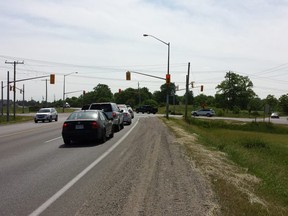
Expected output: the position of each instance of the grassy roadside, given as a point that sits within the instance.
(246, 163)
(18, 119)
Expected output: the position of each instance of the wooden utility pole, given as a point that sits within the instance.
(187, 90)
(14, 87)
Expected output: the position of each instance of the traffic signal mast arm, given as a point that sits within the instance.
(201, 86)
(29, 78)
(74, 92)
(192, 86)
(146, 75)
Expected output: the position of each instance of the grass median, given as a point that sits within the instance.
(247, 163)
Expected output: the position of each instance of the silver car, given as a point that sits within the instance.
(44, 114)
(121, 106)
(127, 118)
(203, 112)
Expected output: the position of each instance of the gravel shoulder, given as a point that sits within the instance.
(153, 176)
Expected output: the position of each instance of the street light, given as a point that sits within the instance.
(64, 88)
(168, 70)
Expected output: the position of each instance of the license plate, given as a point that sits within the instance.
(77, 127)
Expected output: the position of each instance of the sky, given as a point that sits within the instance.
(101, 40)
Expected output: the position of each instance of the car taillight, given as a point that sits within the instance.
(94, 125)
(65, 125)
(114, 114)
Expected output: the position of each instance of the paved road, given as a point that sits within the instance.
(141, 171)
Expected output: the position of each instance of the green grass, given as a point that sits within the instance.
(18, 119)
(261, 148)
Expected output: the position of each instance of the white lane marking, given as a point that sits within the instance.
(52, 139)
(52, 199)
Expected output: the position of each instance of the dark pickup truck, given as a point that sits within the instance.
(147, 109)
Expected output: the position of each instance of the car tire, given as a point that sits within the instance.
(118, 127)
(112, 133)
(103, 138)
(35, 121)
(66, 141)
(56, 119)
(50, 119)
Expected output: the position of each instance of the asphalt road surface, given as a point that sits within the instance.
(141, 171)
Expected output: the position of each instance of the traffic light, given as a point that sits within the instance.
(192, 84)
(84, 92)
(128, 75)
(167, 79)
(52, 78)
(201, 88)
(119, 90)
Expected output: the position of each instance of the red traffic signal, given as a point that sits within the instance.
(167, 79)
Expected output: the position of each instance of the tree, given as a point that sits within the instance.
(236, 90)
(204, 101)
(255, 104)
(283, 103)
(272, 102)
(101, 93)
(128, 96)
(190, 98)
(161, 96)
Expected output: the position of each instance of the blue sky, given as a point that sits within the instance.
(101, 40)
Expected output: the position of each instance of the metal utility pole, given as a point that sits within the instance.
(8, 98)
(23, 92)
(2, 104)
(187, 89)
(14, 88)
(168, 71)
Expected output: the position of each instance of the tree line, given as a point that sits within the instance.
(234, 93)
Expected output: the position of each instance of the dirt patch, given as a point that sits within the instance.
(215, 166)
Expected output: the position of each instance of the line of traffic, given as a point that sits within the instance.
(52, 199)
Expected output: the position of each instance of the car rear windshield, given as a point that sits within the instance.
(105, 107)
(44, 111)
(83, 115)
